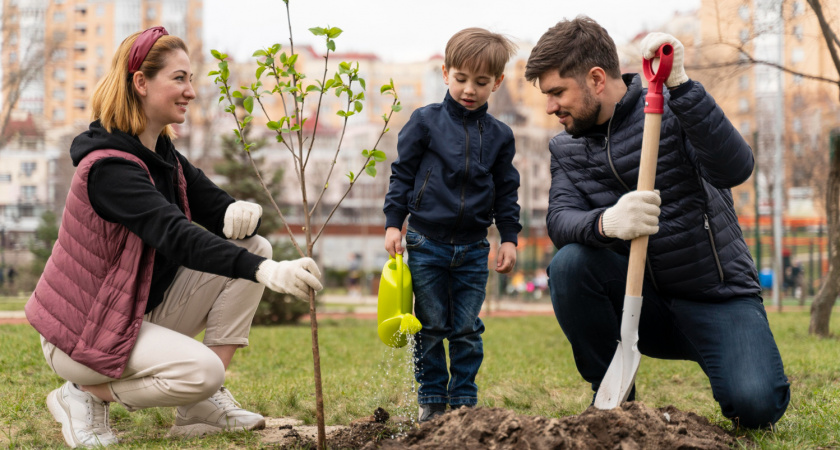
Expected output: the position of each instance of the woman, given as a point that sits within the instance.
(131, 280)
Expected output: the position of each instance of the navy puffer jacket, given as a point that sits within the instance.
(699, 252)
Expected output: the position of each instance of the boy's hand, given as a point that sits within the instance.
(506, 258)
(393, 241)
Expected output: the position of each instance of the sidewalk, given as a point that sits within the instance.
(364, 307)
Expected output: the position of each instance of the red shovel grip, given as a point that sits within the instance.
(654, 101)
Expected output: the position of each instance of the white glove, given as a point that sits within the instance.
(652, 42)
(635, 214)
(241, 219)
(293, 277)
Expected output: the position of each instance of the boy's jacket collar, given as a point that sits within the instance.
(459, 111)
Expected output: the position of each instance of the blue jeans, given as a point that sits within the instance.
(731, 340)
(449, 284)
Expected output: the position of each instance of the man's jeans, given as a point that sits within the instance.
(449, 285)
(731, 340)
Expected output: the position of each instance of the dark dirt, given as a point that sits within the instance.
(630, 427)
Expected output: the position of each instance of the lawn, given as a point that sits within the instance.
(528, 368)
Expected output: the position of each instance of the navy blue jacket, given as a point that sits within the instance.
(699, 252)
(454, 175)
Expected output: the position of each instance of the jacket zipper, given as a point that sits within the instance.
(422, 189)
(617, 177)
(464, 183)
(480, 133)
(714, 248)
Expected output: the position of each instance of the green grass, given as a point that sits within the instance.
(528, 367)
(12, 303)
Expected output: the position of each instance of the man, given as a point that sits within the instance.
(701, 294)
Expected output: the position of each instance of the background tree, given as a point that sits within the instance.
(41, 246)
(749, 57)
(283, 80)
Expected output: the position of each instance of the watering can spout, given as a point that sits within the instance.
(395, 304)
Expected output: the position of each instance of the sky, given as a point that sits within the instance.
(411, 30)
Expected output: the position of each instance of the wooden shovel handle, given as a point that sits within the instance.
(647, 175)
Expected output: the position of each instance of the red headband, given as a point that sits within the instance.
(141, 46)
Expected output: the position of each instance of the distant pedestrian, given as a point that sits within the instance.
(11, 276)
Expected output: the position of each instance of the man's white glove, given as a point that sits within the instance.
(293, 277)
(652, 42)
(241, 219)
(635, 214)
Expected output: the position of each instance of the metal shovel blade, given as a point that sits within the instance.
(621, 374)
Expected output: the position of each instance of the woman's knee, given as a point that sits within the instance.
(258, 245)
(203, 376)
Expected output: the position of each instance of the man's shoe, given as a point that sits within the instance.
(431, 410)
(83, 417)
(219, 413)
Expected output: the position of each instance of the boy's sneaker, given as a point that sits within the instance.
(219, 413)
(83, 417)
(431, 410)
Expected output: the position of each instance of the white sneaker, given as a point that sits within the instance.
(83, 417)
(221, 412)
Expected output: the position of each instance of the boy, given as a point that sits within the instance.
(453, 176)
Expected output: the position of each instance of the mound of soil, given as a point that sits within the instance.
(632, 426)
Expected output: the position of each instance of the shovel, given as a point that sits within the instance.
(621, 374)
(394, 304)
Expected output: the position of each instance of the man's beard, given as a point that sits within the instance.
(588, 117)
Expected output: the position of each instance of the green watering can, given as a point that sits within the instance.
(395, 303)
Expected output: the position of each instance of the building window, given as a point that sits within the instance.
(797, 55)
(797, 31)
(798, 8)
(100, 10)
(58, 115)
(12, 57)
(151, 13)
(60, 54)
(744, 82)
(58, 94)
(745, 128)
(744, 13)
(79, 104)
(59, 16)
(743, 105)
(100, 51)
(5, 178)
(59, 75)
(27, 167)
(744, 35)
(99, 30)
(797, 79)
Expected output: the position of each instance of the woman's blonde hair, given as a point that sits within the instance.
(115, 103)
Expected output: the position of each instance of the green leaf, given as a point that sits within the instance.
(341, 113)
(248, 103)
(279, 138)
(370, 170)
(331, 45)
(260, 71)
(213, 72)
(385, 87)
(351, 176)
(334, 32)
(247, 118)
(344, 65)
(318, 31)
(358, 106)
(378, 155)
(216, 54)
(362, 83)
(236, 94)
(312, 87)
(396, 108)
(274, 49)
(365, 153)
(292, 59)
(295, 127)
(259, 53)
(272, 125)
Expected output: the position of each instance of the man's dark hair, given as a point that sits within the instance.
(572, 48)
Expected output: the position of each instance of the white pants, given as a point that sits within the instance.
(167, 366)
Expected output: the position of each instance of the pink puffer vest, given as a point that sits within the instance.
(92, 295)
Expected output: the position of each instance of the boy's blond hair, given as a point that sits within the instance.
(479, 51)
(115, 103)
